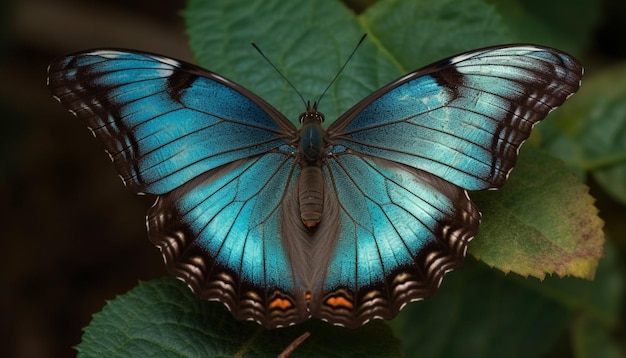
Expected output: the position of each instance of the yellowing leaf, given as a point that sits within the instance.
(541, 222)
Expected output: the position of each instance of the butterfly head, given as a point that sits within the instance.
(311, 115)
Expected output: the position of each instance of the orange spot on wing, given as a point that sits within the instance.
(280, 303)
(339, 301)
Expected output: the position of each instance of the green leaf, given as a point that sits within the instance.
(594, 339)
(479, 312)
(599, 300)
(565, 24)
(162, 318)
(590, 131)
(596, 306)
(542, 221)
(416, 33)
(309, 41)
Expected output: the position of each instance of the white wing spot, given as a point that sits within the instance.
(167, 60)
(462, 57)
(107, 54)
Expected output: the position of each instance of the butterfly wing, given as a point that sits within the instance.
(221, 233)
(400, 163)
(162, 121)
(218, 156)
(401, 229)
(462, 118)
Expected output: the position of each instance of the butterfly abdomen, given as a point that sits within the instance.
(311, 195)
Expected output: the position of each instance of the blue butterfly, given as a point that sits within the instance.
(345, 224)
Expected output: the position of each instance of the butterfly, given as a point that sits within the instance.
(346, 223)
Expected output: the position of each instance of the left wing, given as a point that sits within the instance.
(163, 121)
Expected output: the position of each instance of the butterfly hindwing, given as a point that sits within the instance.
(163, 121)
(463, 118)
(221, 233)
(401, 229)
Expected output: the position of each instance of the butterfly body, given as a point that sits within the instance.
(345, 224)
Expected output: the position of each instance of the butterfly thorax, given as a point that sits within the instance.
(311, 135)
(311, 181)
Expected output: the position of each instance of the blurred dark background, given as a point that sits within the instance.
(71, 235)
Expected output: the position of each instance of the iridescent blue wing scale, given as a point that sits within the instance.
(462, 118)
(163, 121)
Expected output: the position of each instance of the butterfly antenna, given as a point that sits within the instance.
(341, 69)
(280, 73)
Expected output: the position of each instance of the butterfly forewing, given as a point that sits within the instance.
(463, 118)
(163, 121)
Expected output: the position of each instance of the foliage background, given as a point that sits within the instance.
(73, 237)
